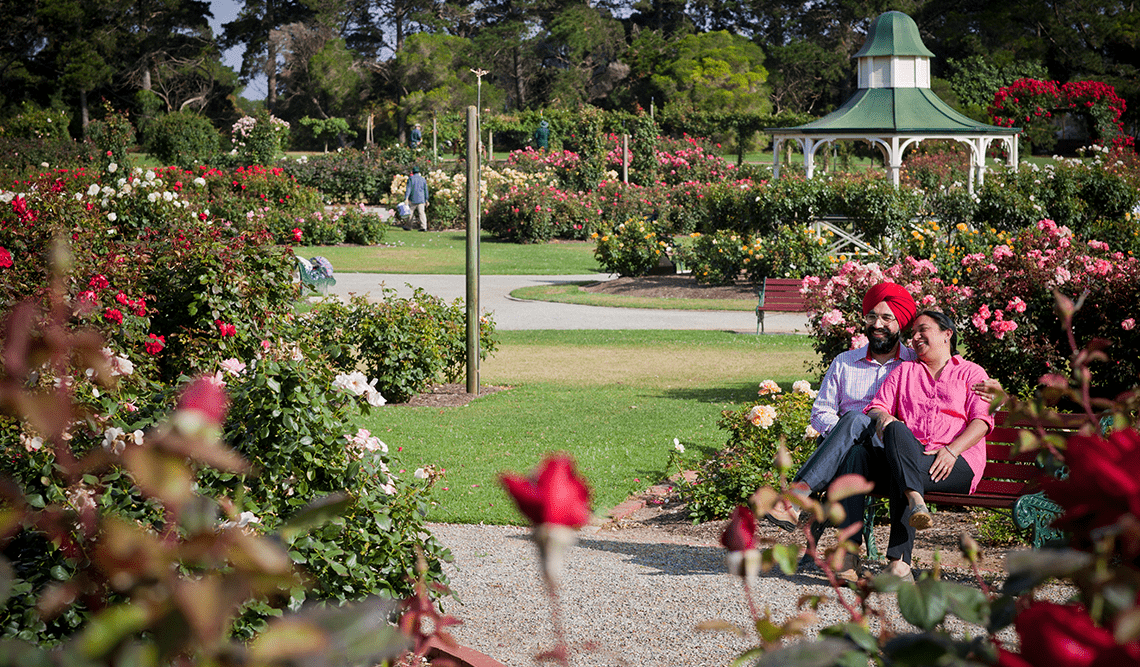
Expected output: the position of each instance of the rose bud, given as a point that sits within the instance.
(557, 502)
(739, 538)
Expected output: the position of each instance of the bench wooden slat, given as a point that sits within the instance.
(1007, 478)
(779, 295)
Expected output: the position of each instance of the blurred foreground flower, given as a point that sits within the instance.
(557, 502)
(739, 539)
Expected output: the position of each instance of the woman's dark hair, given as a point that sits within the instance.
(944, 323)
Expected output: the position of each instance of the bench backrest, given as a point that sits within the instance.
(781, 294)
(1006, 474)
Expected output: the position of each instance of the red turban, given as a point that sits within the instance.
(898, 299)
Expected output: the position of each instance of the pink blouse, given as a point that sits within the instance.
(937, 411)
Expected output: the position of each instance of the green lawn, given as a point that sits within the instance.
(446, 253)
(615, 400)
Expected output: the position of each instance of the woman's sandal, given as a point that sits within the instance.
(919, 517)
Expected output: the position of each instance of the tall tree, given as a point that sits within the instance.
(79, 45)
(716, 71)
(582, 53)
(433, 72)
(253, 29)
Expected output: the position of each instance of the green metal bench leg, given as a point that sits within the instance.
(1036, 513)
(870, 511)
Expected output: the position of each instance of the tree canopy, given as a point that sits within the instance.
(350, 58)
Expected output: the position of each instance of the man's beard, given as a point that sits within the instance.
(881, 345)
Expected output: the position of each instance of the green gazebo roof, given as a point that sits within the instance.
(894, 110)
(893, 34)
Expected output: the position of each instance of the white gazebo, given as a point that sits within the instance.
(895, 108)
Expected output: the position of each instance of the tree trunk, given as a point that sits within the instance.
(517, 67)
(271, 76)
(146, 79)
(84, 115)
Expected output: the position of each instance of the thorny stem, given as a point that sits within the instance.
(560, 652)
(856, 615)
(751, 605)
(980, 579)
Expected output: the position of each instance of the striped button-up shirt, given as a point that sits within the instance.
(850, 384)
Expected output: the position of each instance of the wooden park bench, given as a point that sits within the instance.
(1009, 483)
(780, 295)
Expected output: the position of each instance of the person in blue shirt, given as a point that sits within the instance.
(415, 137)
(417, 197)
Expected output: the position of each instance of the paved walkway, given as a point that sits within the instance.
(516, 314)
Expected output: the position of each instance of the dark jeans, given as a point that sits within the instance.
(870, 462)
(910, 470)
(853, 428)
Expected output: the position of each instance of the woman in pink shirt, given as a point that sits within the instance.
(933, 424)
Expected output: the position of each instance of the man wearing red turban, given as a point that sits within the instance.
(848, 387)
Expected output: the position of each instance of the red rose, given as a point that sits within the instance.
(1055, 634)
(226, 329)
(99, 281)
(207, 397)
(155, 344)
(556, 495)
(297, 234)
(1103, 483)
(5, 258)
(740, 533)
(114, 314)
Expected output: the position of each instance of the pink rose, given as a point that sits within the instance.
(555, 495)
(1128, 324)
(206, 396)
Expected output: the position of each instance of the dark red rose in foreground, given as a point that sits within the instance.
(1103, 483)
(554, 495)
(1054, 634)
(740, 534)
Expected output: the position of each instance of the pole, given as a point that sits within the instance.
(625, 158)
(473, 206)
(434, 139)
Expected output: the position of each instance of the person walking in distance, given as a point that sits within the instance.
(417, 197)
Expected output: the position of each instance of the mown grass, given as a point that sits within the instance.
(572, 293)
(446, 253)
(615, 400)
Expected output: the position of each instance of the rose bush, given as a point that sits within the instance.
(182, 295)
(631, 248)
(755, 432)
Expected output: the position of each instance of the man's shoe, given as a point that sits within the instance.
(852, 569)
(784, 515)
(895, 568)
(920, 518)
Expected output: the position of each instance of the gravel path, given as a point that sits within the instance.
(628, 598)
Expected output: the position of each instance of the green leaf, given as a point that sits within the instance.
(968, 604)
(923, 604)
(1002, 612)
(822, 653)
(786, 557)
(316, 514)
(109, 627)
(273, 384)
